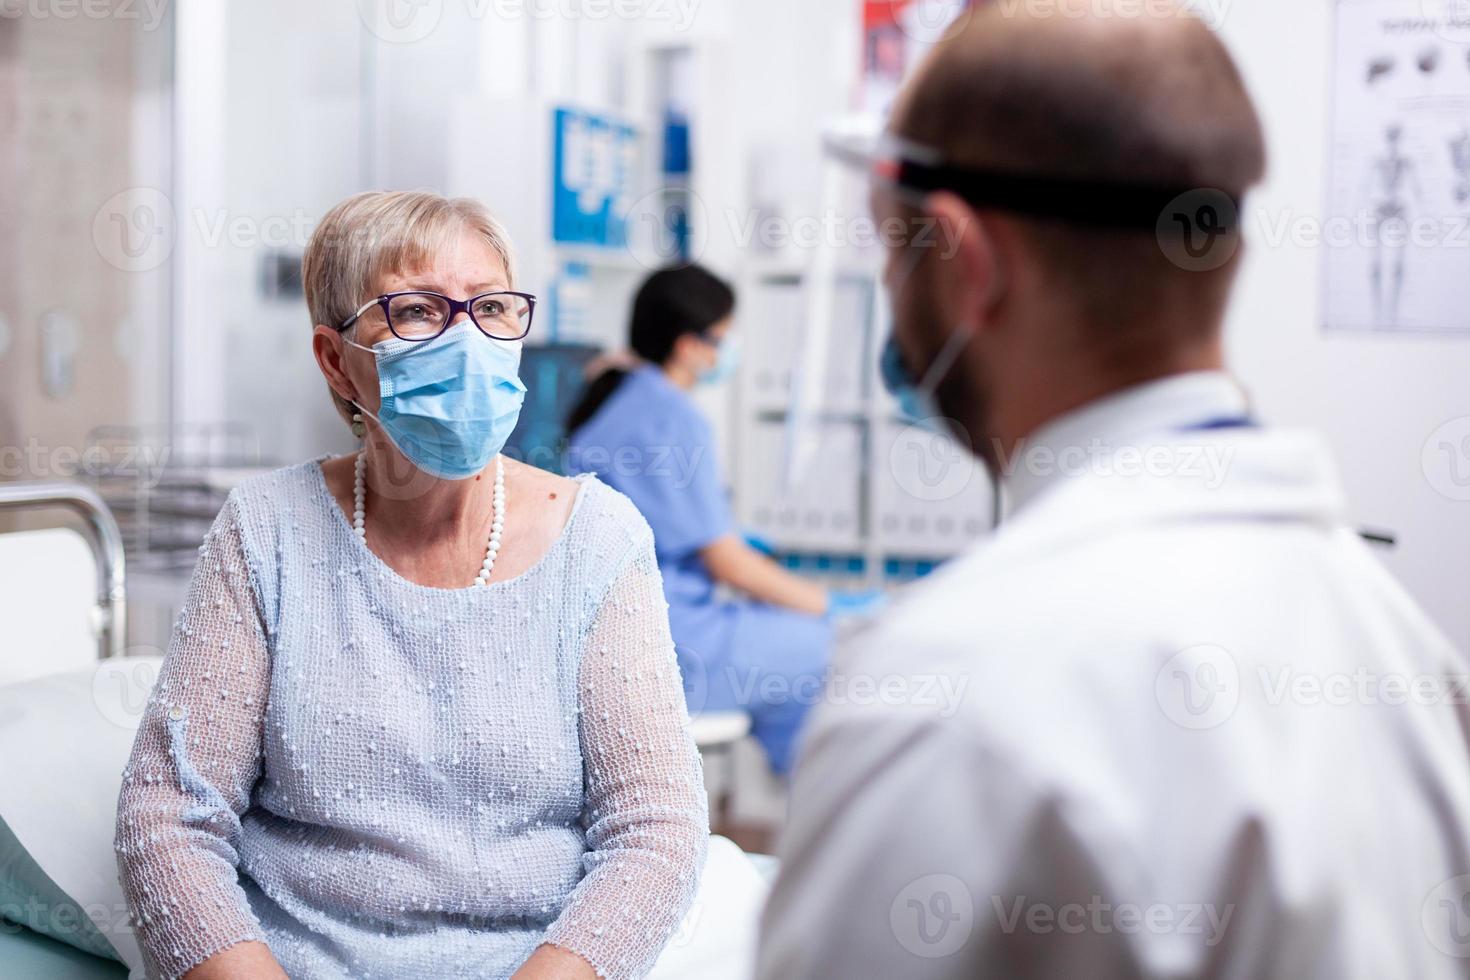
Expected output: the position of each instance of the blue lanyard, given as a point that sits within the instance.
(1227, 422)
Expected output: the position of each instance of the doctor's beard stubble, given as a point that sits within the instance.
(963, 400)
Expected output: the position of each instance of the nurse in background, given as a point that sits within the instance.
(640, 431)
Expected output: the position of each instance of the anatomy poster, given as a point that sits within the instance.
(1397, 239)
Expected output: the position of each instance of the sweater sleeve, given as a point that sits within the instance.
(195, 760)
(646, 810)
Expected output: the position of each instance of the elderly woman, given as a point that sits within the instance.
(420, 716)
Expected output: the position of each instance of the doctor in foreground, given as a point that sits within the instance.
(1137, 782)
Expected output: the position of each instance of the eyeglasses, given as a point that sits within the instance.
(420, 316)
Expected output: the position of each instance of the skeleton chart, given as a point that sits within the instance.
(1397, 237)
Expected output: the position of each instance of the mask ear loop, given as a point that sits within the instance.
(939, 368)
(359, 428)
(954, 344)
(959, 339)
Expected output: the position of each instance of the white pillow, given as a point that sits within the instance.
(65, 738)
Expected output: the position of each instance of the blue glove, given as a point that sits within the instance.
(759, 543)
(855, 605)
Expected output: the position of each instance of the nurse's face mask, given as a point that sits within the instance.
(450, 390)
(727, 360)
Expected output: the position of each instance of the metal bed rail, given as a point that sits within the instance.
(107, 549)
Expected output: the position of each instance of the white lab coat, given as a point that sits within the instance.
(1181, 735)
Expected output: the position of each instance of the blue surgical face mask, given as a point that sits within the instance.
(449, 404)
(915, 405)
(916, 396)
(726, 363)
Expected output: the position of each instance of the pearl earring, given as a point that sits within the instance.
(359, 428)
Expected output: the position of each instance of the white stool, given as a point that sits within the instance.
(715, 734)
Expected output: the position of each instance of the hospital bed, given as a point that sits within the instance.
(70, 699)
(63, 600)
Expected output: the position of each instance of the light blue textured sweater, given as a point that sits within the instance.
(381, 779)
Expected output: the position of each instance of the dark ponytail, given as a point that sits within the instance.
(598, 391)
(671, 303)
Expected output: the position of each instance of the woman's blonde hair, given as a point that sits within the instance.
(376, 233)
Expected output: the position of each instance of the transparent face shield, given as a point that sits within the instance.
(855, 468)
(839, 471)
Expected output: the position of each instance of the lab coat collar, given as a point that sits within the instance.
(1138, 458)
(1125, 418)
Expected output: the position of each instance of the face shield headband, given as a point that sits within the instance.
(914, 171)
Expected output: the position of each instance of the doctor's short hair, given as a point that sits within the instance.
(1151, 99)
(377, 233)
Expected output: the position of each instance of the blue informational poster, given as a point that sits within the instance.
(596, 162)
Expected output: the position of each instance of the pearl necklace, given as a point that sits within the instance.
(497, 525)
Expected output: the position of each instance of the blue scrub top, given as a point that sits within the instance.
(650, 441)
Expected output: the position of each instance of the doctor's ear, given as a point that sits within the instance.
(969, 275)
(330, 353)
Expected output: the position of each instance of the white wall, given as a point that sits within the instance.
(769, 72)
(269, 135)
(1377, 399)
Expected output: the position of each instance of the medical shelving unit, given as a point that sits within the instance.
(880, 500)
